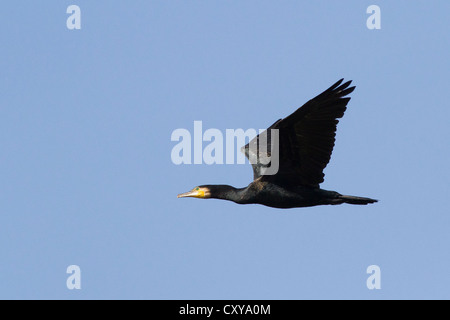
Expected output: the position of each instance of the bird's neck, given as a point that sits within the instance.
(226, 192)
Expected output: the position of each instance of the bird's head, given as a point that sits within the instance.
(202, 192)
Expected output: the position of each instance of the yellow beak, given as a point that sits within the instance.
(195, 193)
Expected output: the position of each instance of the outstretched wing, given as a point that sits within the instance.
(306, 139)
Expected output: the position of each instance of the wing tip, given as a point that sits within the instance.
(334, 86)
(341, 89)
(339, 86)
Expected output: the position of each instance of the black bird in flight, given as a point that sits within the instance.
(305, 143)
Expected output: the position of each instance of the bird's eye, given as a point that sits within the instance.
(196, 189)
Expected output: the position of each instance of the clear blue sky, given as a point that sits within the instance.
(86, 176)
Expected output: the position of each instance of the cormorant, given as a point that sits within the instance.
(306, 141)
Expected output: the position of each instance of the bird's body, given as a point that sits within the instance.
(272, 195)
(306, 141)
(283, 197)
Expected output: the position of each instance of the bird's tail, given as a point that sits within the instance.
(356, 200)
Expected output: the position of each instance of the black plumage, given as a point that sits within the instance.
(306, 141)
